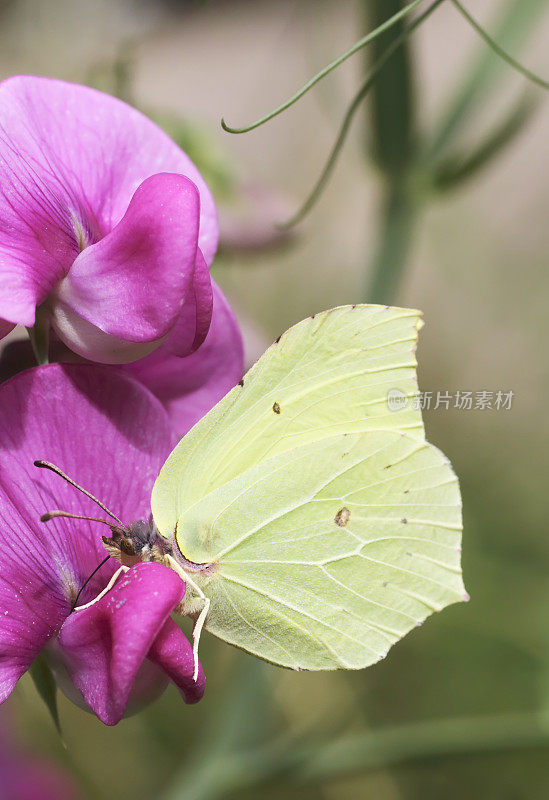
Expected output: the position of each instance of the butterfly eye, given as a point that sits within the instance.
(127, 546)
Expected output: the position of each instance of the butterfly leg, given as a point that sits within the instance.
(107, 589)
(199, 624)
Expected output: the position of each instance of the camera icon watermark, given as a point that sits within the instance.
(397, 400)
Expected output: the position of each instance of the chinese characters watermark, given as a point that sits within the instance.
(484, 400)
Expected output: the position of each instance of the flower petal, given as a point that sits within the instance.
(173, 653)
(110, 435)
(91, 343)
(132, 283)
(191, 386)
(193, 322)
(71, 158)
(104, 645)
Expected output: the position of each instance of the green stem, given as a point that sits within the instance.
(39, 335)
(393, 134)
(397, 227)
(392, 110)
(371, 36)
(355, 104)
(512, 62)
(516, 18)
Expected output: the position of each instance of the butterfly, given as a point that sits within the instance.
(313, 524)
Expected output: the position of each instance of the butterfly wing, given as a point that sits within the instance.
(327, 375)
(327, 554)
(332, 526)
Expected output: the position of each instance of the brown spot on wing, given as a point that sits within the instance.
(276, 408)
(342, 517)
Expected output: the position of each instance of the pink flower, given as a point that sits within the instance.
(187, 387)
(108, 229)
(106, 226)
(112, 436)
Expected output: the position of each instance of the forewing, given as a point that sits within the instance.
(328, 375)
(326, 555)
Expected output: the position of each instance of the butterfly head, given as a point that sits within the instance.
(138, 541)
(129, 544)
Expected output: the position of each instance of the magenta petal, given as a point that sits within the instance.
(104, 646)
(189, 387)
(71, 159)
(203, 303)
(131, 283)
(108, 433)
(172, 652)
(193, 322)
(90, 342)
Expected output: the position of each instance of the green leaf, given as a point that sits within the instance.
(458, 167)
(46, 687)
(498, 50)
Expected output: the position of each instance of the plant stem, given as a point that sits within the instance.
(384, 23)
(393, 247)
(39, 336)
(393, 135)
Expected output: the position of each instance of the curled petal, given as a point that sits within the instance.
(172, 652)
(104, 646)
(189, 387)
(132, 283)
(109, 434)
(71, 159)
(193, 323)
(91, 343)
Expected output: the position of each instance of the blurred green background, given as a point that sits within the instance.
(461, 706)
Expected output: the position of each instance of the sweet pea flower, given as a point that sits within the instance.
(187, 387)
(107, 229)
(111, 435)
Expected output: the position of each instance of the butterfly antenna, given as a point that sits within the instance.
(53, 468)
(88, 579)
(53, 514)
